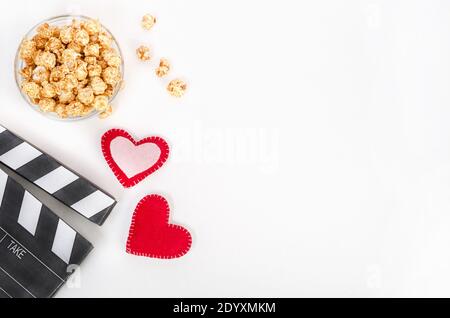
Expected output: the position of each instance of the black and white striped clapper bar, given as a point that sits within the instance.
(38, 251)
(47, 173)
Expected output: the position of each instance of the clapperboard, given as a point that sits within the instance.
(38, 250)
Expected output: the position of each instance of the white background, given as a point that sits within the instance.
(311, 155)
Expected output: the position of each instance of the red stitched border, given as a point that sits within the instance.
(131, 232)
(110, 135)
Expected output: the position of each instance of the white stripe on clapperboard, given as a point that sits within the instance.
(2, 129)
(29, 215)
(57, 179)
(3, 180)
(20, 155)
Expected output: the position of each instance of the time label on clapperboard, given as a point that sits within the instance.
(38, 250)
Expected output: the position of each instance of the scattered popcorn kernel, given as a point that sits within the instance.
(163, 68)
(143, 53)
(177, 88)
(148, 21)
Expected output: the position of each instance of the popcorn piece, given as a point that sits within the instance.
(40, 74)
(47, 104)
(92, 50)
(81, 37)
(40, 41)
(101, 103)
(95, 70)
(53, 45)
(93, 27)
(177, 88)
(27, 50)
(66, 96)
(60, 110)
(104, 40)
(44, 31)
(27, 72)
(106, 113)
(111, 75)
(86, 95)
(148, 21)
(48, 90)
(82, 71)
(87, 110)
(111, 57)
(143, 53)
(46, 59)
(163, 68)
(31, 89)
(74, 109)
(98, 85)
(66, 34)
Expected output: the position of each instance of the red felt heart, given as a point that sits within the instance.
(133, 161)
(151, 235)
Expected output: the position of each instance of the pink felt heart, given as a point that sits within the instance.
(132, 161)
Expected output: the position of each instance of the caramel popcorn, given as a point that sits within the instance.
(71, 70)
(148, 21)
(48, 90)
(86, 95)
(111, 75)
(98, 85)
(32, 89)
(101, 103)
(106, 113)
(163, 68)
(143, 53)
(47, 104)
(177, 88)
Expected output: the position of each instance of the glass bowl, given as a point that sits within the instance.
(61, 21)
